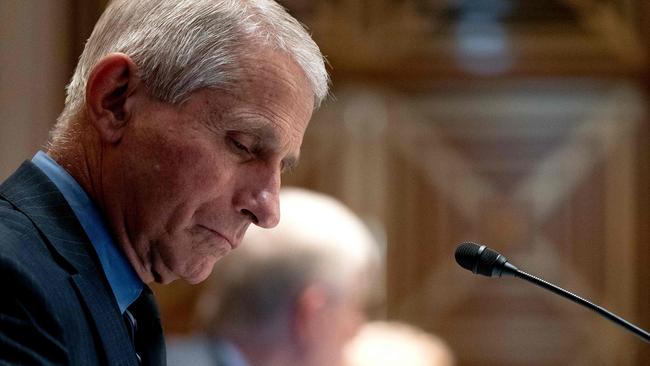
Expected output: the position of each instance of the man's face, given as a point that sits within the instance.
(195, 175)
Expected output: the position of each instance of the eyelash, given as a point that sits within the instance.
(239, 145)
(242, 149)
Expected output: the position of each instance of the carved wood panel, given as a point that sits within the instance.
(428, 39)
(544, 172)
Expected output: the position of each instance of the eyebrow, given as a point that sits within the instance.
(289, 164)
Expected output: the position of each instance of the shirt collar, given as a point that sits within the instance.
(124, 282)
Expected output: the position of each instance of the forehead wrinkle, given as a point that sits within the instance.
(291, 74)
(267, 110)
(271, 125)
(256, 126)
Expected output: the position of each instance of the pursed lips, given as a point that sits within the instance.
(218, 234)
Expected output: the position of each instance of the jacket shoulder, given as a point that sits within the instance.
(28, 331)
(36, 326)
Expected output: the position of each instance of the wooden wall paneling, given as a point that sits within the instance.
(33, 69)
(569, 181)
(643, 231)
(642, 11)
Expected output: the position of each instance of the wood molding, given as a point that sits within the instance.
(435, 39)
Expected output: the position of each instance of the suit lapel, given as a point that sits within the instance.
(113, 335)
(31, 192)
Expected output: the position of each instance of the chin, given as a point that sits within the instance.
(199, 272)
(196, 279)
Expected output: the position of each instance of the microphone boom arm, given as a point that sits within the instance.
(482, 260)
(579, 300)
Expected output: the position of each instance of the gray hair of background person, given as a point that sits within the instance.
(389, 343)
(181, 46)
(318, 241)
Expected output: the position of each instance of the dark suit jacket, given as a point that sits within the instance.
(56, 306)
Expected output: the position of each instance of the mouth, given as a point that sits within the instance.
(220, 236)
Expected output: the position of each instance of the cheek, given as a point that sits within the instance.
(182, 170)
(167, 179)
(181, 165)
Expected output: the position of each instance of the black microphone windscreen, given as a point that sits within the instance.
(483, 260)
(467, 255)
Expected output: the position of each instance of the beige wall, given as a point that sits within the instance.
(34, 49)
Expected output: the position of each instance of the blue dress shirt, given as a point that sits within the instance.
(124, 282)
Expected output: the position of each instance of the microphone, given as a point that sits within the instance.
(482, 260)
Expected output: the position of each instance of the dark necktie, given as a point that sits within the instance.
(132, 327)
(143, 323)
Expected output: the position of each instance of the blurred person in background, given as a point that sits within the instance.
(179, 119)
(290, 296)
(390, 343)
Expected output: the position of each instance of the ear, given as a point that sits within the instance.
(310, 305)
(110, 84)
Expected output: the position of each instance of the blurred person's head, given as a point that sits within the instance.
(179, 119)
(382, 343)
(295, 294)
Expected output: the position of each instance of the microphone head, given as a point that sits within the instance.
(466, 255)
(482, 260)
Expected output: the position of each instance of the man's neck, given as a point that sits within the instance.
(85, 162)
(80, 162)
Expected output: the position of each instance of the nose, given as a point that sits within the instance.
(261, 201)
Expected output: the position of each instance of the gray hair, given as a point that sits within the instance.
(318, 241)
(180, 46)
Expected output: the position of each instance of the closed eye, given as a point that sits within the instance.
(238, 145)
(238, 148)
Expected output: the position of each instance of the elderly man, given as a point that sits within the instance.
(178, 122)
(291, 296)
